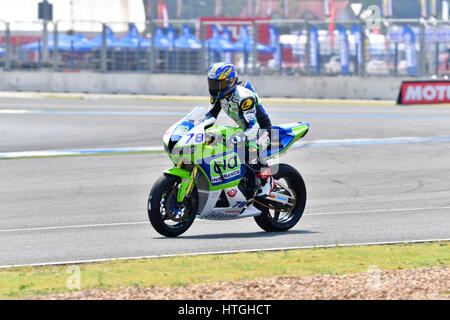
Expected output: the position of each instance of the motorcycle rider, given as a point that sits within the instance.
(241, 103)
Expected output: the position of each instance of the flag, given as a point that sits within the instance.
(423, 9)
(249, 8)
(148, 9)
(445, 10)
(258, 8)
(159, 11)
(390, 10)
(269, 9)
(331, 27)
(327, 7)
(286, 8)
(218, 12)
(179, 9)
(357, 35)
(410, 50)
(433, 8)
(165, 15)
(387, 8)
(314, 50)
(275, 43)
(343, 50)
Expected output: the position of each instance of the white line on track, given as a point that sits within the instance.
(51, 153)
(105, 225)
(380, 211)
(99, 225)
(222, 252)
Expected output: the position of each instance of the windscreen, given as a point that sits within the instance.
(195, 115)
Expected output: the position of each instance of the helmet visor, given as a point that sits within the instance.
(215, 86)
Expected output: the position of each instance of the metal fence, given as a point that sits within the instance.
(287, 47)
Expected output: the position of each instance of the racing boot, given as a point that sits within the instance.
(267, 183)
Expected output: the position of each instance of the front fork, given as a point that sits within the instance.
(188, 179)
(194, 176)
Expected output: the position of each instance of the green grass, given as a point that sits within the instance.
(186, 270)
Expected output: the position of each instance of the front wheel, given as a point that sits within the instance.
(167, 216)
(276, 217)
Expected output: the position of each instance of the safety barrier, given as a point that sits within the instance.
(177, 84)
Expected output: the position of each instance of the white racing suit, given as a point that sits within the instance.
(243, 107)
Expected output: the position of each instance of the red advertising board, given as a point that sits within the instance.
(20, 40)
(235, 25)
(424, 92)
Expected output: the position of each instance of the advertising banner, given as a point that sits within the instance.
(275, 43)
(343, 50)
(424, 92)
(410, 50)
(314, 51)
(357, 35)
(234, 26)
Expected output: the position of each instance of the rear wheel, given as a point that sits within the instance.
(167, 216)
(281, 217)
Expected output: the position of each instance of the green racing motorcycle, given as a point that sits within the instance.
(212, 181)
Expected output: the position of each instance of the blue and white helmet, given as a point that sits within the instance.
(222, 79)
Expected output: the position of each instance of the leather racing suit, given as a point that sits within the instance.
(243, 106)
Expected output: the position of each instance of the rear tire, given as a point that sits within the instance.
(162, 206)
(269, 220)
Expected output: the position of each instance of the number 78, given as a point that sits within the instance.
(198, 137)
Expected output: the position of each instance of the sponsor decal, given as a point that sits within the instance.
(221, 215)
(424, 92)
(232, 192)
(247, 104)
(181, 130)
(229, 166)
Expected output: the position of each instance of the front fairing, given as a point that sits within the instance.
(186, 141)
(178, 130)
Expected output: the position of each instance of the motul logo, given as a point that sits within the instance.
(425, 92)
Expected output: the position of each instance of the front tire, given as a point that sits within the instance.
(168, 217)
(279, 220)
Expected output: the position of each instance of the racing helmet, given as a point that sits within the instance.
(222, 79)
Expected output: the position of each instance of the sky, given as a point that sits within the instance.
(98, 10)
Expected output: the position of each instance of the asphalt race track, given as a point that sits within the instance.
(374, 173)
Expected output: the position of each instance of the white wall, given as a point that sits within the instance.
(169, 84)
